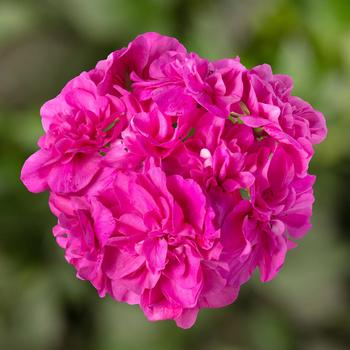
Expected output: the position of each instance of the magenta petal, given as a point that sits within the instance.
(155, 250)
(118, 264)
(216, 291)
(281, 170)
(187, 318)
(273, 257)
(82, 99)
(35, 172)
(184, 279)
(104, 224)
(122, 293)
(255, 122)
(75, 175)
(190, 197)
(156, 307)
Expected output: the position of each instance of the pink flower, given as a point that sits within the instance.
(79, 125)
(147, 239)
(269, 96)
(142, 59)
(173, 178)
(154, 132)
(215, 86)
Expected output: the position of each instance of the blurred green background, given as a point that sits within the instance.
(45, 43)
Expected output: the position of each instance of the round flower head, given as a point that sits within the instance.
(174, 178)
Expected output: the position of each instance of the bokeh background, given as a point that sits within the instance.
(45, 43)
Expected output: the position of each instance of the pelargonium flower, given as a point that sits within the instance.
(148, 239)
(173, 178)
(79, 124)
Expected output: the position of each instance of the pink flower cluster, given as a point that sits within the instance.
(174, 178)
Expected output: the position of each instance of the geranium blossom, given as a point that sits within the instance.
(173, 178)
